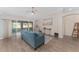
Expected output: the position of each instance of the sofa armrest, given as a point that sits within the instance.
(39, 39)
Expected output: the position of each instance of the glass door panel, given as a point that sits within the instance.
(30, 26)
(16, 27)
(25, 26)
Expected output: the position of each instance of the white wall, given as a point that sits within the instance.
(5, 29)
(1, 29)
(60, 26)
(69, 22)
(9, 28)
(57, 24)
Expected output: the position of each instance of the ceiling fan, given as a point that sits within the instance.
(33, 11)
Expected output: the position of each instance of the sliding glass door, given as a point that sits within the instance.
(27, 26)
(17, 26)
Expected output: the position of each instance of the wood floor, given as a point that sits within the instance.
(66, 44)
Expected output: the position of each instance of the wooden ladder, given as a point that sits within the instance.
(75, 33)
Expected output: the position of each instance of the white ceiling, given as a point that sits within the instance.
(24, 11)
(70, 9)
(27, 11)
(16, 11)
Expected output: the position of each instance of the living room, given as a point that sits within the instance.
(52, 23)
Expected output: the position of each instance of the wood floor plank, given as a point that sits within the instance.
(67, 44)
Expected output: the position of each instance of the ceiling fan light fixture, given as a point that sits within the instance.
(32, 13)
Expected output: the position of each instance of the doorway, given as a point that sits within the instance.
(69, 21)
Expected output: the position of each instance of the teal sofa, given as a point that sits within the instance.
(34, 39)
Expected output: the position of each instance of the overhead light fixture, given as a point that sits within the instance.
(32, 10)
(32, 13)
